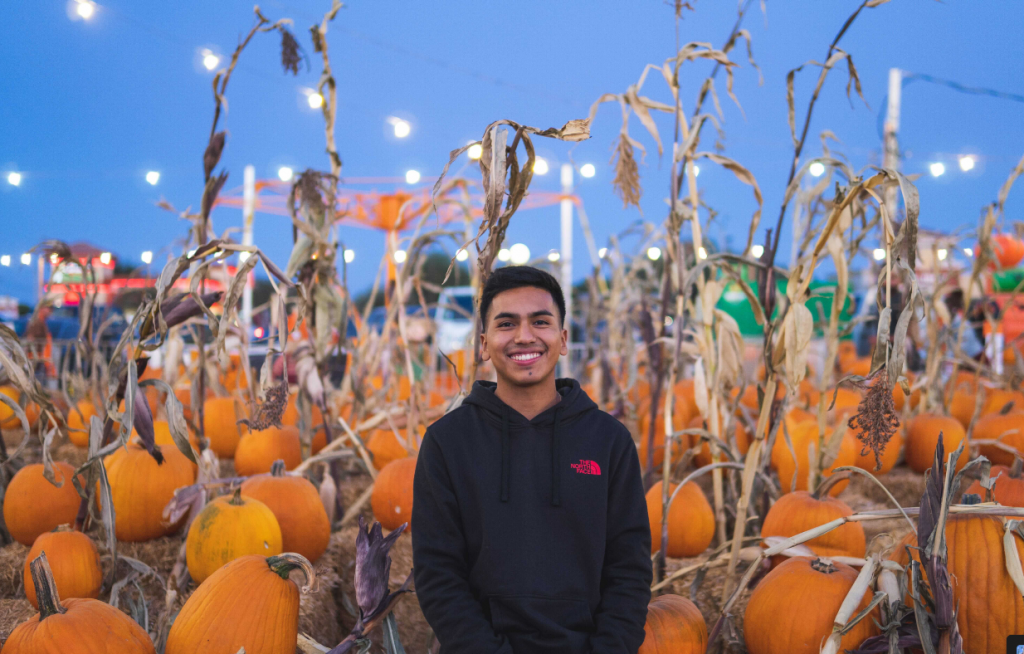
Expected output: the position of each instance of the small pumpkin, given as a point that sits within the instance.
(74, 563)
(674, 626)
(227, 528)
(141, 488)
(963, 398)
(691, 520)
(1009, 250)
(793, 609)
(1007, 428)
(795, 513)
(847, 403)
(78, 423)
(220, 425)
(997, 399)
(249, 603)
(922, 433)
(290, 417)
(74, 625)
(258, 450)
(384, 447)
(802, 436)
(34, 506)
(9, 419)
(392, 493)
(295, 502)
(1009, 485)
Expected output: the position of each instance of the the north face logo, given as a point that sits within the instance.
(585, 467)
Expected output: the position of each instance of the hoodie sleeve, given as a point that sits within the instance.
(439, 562)
(626, 575)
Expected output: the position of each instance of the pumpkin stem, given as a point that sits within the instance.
(46, 588)
(283, 564)
(1018, 465)
(830, 481)
(277, 468)
(236, 499)
(824, 565)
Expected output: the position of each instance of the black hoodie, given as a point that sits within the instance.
(531, 536)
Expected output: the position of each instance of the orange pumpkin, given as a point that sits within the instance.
(990, 606)
(74, 560)
(963, 398)
(772, 623)
(674, 626)
(228, 528)
(703, 457)
(1009, 250)
(384, 447)
(1007, 428)
(847, 404)
(220, 425)
(866, 456)
(691, 520)
(74, 625)
(290, 417)
(997, 399)
(1009, 486)
(8, 419)
(795, 513)
(78, 423)
(34, 506)
(248, 603)
(802, 437)
(320, 435)
(856, 366)
(922, 433)
(899, 398)
(295, 502)
(258, 450)
(392, 493)
(141, 488)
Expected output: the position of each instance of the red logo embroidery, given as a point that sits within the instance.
(585, 467)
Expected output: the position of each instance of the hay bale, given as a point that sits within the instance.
(12, 613)
(12, 567)
(71, 454)
(318, 609)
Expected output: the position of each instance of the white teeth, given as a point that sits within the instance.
(525, 357)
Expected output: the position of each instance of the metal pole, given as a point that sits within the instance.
(248, 209)
(891, 157)
(566, 261)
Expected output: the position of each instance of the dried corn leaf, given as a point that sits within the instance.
(799, 327)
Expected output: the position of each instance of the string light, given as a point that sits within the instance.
(147, 257)
(412, 176)
(757, 250)
(26, 259)
(554, 256)
(461, 255)
(602, 253)
(315, 100)
(702, 253)
(475, 151)
(588, 170)
(210, 60)
(400, 256)
(519, 254)
(152, 177)
(966, 163)
(504, 254)
(350, 256)
(540, 166)
(653, 253)
(879, 254)
(937, 169)
(5, 260)
(942, 253)
(14, 179)
(816, 169)
(285, 174)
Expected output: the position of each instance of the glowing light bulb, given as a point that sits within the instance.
(816, 169)
(258, 332)
(105, 258)
(285, 174)
(54, 259)
(588, 170)
(475, 151)
(14, 179)
(412, 176)
(315, 100)
(350, 256)
(26, 259)
(937, 169)
(757, 251)
(879, 254)
(504, 254)
(942, 253)
(653, 253)
(147, 257)
(152, 177)
(519, 254)
(702, 253)
(696, 170)
(210, 60)
(554, 256)
(461, 255)
(401, 128)
(966, 163)
(400, 256)
(969, 252)
(85, 9)
(540, 166)
(602, 253)
(5, 260)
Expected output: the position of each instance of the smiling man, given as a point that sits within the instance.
(530, 529)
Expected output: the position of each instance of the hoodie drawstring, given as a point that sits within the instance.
(505, 456)
(556, 486)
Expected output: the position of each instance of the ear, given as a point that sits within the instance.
(565, 342)
(484, 354)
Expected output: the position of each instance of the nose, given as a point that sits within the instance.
(523, 333)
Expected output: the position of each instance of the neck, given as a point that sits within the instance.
(530, 401)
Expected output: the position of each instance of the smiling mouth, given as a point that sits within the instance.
(525, 357)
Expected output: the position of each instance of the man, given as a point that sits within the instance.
(530, 529)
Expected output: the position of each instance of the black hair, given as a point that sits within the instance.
(512, 277)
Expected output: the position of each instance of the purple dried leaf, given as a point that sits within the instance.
(143, 424)
(182, 307)
(187, 501)
(213, 151)
(373, 566)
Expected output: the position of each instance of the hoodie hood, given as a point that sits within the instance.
(573, 404)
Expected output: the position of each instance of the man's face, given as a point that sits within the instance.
(522, 337)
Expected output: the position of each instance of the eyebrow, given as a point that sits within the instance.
(507, 314)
